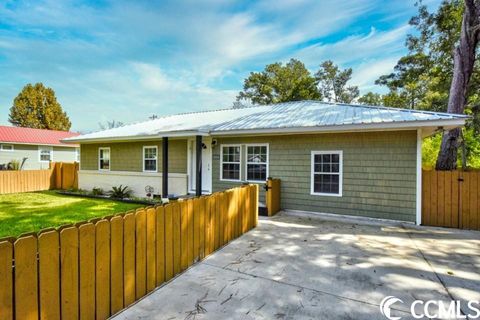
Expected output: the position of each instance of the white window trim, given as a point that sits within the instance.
(7, 150)
(156, 158)
(40, 148)
(110, 159)
(247, 163)
(77, 154)
(340, 173)
(222, 162)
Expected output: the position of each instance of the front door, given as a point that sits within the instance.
(206, 165)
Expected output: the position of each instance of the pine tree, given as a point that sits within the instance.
(37, 107)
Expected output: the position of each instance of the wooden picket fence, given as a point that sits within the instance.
(94, 269)
(61, 175)
(451, 199)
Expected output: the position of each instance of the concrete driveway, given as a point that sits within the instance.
(307, 267)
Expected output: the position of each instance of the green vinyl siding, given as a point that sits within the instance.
(379, 172)
(128, 156)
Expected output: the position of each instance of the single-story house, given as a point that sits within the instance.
(330, 158)
(36, 148)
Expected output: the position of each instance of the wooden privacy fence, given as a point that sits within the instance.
(273, 196)
(65, 175)
(94, 269)
(451, 199)
(61, 175)
(24, 181)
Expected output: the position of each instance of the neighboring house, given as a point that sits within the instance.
(37, 146)
(331, 158)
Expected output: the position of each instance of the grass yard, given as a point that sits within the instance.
(33, 211)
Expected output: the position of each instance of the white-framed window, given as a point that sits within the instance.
(77, 154)
(104, 159)
(150, 156)
(230, 157)
(327, 172)
(256, 166)
(45, 153)
(6, 147)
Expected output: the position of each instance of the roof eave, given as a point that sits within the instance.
(160, 135)
(70, 145)
(445, 124)
(405, 125)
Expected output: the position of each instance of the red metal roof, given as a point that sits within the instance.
(34, 136)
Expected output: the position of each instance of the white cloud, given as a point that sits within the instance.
(366, 73)
(369, 55)
(357, 48)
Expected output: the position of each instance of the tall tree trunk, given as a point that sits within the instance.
(464, 59)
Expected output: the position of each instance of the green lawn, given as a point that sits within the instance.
(33, 211)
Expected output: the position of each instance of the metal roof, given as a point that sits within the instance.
(21, 135)
(291, 116)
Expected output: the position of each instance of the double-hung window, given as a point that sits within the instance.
(257, 162)
(327, 173)
(230, 158)
(45, 153)
(150, 159)
(104, 159)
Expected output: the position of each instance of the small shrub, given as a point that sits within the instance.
(120, 192)
(98, 191)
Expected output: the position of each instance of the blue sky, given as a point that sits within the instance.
(126, 60)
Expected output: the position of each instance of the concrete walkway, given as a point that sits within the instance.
(304, 267)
